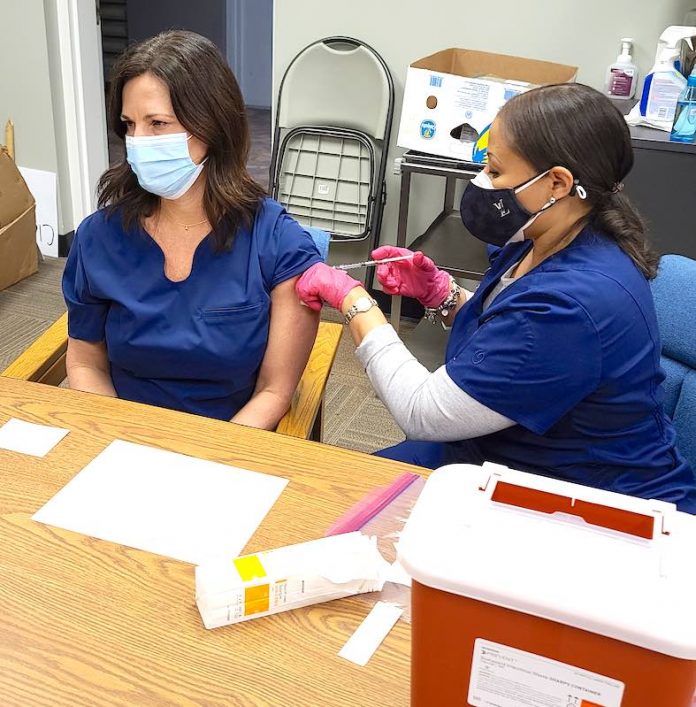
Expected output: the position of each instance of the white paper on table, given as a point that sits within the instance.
(164, 502)
(371, 632)
(43, 188)
(30, 438)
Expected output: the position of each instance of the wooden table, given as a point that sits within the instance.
(88, 622)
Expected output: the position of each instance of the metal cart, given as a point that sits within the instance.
(446, 240)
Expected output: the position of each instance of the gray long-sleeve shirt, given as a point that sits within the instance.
(427, 406)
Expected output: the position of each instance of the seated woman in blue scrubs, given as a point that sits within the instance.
(180, 288)
(552, 364)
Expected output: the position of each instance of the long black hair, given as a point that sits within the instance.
(208, 103)
(576, 127)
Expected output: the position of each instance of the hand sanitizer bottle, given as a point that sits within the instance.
(622, 75)
(684, 126)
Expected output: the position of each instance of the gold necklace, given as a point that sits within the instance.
(186, 226)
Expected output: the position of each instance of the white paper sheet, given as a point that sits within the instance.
(30, 438)
(368, 637)
(167, 503)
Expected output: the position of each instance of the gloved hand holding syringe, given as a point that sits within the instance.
(400, 272)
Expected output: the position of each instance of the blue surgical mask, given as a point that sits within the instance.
(162, 163)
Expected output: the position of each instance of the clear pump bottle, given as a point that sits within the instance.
(622, 75)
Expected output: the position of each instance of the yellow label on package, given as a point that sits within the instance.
(229, 591)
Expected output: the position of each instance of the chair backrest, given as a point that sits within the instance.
(674, 291)
(340, 82)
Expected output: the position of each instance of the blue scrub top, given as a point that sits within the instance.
(194, 345)
(571, 352)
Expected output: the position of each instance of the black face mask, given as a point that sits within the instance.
(496, 216)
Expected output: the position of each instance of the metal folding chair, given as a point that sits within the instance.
(331, 137)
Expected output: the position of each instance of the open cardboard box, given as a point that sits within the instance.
(452, 97)
(18, 251)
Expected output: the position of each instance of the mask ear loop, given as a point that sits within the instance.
(203, 161)
(529, 182)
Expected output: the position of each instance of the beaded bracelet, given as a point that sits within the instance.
(449, 304)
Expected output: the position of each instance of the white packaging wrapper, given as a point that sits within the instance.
(635, 118)
(230, 590)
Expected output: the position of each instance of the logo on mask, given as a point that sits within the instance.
(502, 211)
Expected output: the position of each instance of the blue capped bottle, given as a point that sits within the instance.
(684, 126)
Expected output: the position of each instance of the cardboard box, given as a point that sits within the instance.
(452, 97)
(18, 251)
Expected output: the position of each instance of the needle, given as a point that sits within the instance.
(353, 266)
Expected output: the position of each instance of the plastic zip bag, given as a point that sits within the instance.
(382, 513)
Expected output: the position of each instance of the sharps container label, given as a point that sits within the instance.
(506, 677)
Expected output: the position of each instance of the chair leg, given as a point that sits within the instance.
(318, 427)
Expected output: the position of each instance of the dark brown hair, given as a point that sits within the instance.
(208, 103)
(576, 127)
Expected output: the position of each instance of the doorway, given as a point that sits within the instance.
(241, 29)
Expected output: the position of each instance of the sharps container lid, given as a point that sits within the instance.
(612, 564)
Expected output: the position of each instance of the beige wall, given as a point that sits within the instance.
(25, 89)
(585, 34)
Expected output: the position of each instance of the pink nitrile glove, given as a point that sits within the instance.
(419, 277)
(322, 283)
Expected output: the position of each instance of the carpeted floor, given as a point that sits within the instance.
(260, 147)
(354, 417)
(29, 307)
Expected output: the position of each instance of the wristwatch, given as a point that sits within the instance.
(362, 304)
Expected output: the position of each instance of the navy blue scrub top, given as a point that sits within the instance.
(571, 352)
(194, 345)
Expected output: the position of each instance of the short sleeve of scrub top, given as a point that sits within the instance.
(87, 312)
(196, 344)
(289, 253)
(533, 358)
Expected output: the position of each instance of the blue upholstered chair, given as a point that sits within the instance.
(321, 240)
(674, 290)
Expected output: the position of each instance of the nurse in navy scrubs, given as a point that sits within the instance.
(552, 364)
(180, 288)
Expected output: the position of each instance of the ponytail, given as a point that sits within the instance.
(615, 215)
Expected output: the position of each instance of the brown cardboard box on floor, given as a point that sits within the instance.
(18, 252)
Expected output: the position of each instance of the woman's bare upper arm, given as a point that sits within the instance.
(293, 329)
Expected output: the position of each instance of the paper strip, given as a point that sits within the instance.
(29, 438)
(371, 632)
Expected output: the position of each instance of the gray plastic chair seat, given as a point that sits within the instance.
(325, 179)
